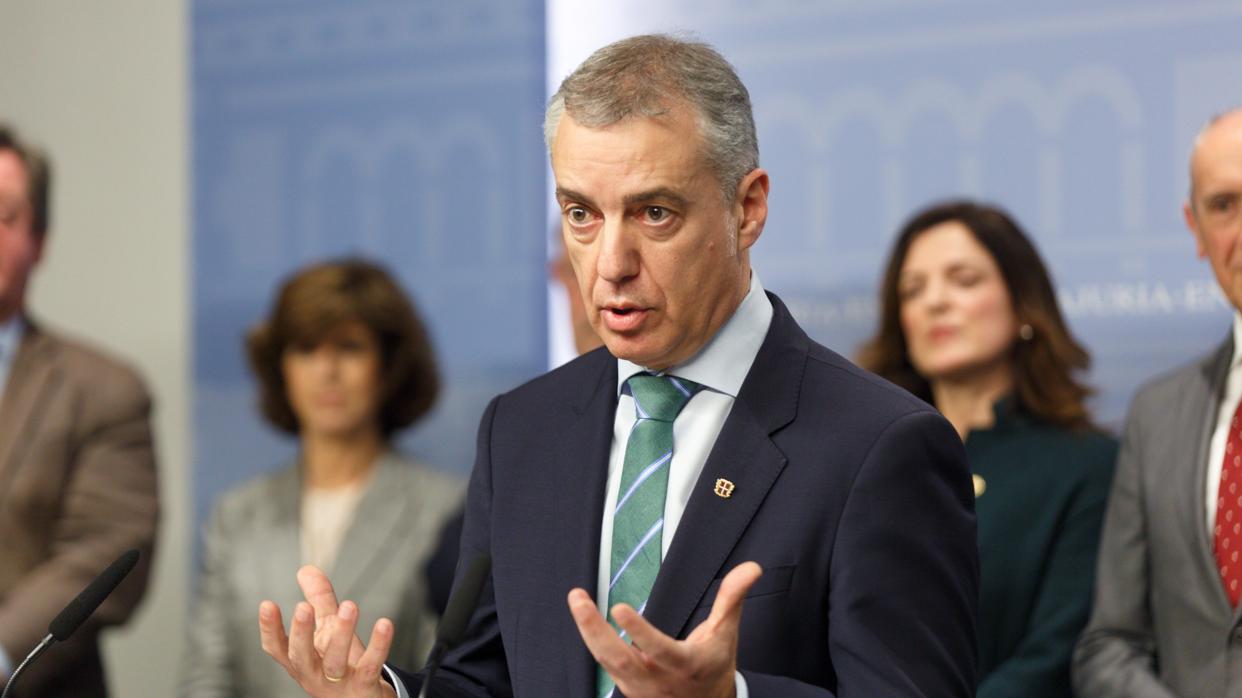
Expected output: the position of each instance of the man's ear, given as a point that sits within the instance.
(1192, 223)
(751, 207)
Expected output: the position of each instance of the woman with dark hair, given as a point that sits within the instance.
(969, 322)
(343, 362)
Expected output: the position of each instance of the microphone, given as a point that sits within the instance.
(71, 618)
(457, 614)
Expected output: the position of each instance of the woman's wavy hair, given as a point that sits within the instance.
(315, 301)
(1044, 365)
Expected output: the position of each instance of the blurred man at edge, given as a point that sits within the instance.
(1166, 615)
(77, 468)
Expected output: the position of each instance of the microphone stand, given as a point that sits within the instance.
(45, 643)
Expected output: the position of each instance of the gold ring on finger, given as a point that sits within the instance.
(332, 679)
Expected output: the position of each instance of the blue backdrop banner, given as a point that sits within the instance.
(1076, 117)
(408, 132)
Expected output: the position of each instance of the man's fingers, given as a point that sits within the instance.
(367, 668)
(317, 589)
(660, 647)
(324, 627)
(355, 649)
(728, 605)
(618, 659)
(341, 637)
(302, 655)
(272, 633)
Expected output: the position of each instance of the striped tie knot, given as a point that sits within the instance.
(660, 398)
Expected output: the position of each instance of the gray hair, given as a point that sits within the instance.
(1194, 148)
(646, 76)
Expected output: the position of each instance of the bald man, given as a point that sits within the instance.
(1166, 616)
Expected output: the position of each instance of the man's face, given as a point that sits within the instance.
(1214, 213)
(20, 248)
(661, 259)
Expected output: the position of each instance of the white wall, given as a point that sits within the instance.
(102, 86)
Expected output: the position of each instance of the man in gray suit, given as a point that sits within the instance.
(1166, 616)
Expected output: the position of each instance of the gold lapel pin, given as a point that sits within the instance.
(981, 485)
(724, 488)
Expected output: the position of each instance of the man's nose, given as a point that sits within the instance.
(618, 254)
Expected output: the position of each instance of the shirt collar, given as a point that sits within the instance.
(1237, 339)
(10, 337)
(723, 363)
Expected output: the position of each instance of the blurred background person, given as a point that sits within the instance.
(343, 362)
(77, 467)
(969, 322)
(1166, 619)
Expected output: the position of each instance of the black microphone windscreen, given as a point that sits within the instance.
(462, 603)
(78, 610)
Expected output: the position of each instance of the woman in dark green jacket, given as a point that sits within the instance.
(969, 322)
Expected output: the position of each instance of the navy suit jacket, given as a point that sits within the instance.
(853, 495)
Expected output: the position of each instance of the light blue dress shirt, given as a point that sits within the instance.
(10, 340)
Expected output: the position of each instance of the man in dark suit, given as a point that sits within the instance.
(77, 470)
(1167, 619)
(711, 435)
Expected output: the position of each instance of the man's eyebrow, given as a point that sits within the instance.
(563, 194)
(657, 194)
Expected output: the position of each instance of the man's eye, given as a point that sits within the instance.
(578, 215)
(1222, 204)
(656, 214)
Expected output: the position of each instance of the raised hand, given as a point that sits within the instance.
(655, 664)
(322, 651)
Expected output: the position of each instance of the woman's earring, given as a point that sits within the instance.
(1026, 332)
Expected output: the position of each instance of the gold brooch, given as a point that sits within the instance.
(724, 488)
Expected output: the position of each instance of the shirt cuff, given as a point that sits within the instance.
(400, 687)
(740, 682)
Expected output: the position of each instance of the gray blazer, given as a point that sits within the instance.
(1162, 625)
(252, 551)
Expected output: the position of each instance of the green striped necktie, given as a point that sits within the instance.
(638, 517)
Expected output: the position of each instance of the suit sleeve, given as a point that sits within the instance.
(904, 582)
(109, 504)
(206, 670)
(478, 666)
(442, 564)
(1039, 666)
(903, 587)
(1115, 656)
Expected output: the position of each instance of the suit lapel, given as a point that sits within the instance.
(378, 513)
(580, 483)
(1215, 374)
(281, 553)
(1204, 401)
(744, 453)
(33, 376)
